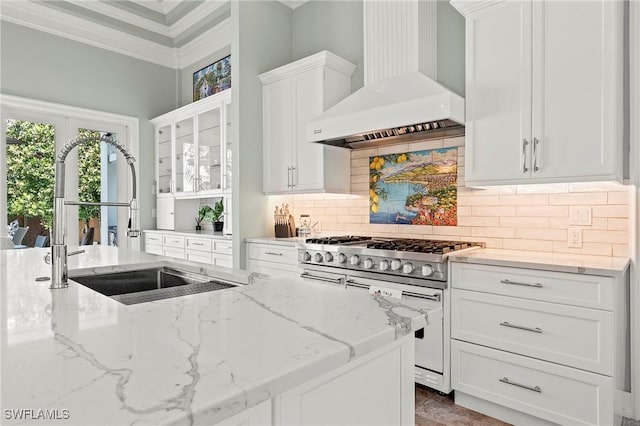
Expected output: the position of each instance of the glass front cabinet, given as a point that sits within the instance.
(193, 149)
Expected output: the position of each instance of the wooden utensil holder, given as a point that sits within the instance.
(283, 231)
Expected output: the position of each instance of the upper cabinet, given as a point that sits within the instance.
(292, 95)
(544, 91)
(193, 148)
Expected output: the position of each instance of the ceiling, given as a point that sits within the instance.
(172, 33)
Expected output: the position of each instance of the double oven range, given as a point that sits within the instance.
(405, 268)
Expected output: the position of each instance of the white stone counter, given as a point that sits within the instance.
(192, 359)
(289, 242)
(579, 264)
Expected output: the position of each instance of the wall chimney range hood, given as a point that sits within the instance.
(399, 102)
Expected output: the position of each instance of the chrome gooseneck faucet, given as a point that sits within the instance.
(59, 273)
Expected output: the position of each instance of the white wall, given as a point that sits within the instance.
(261, 41)
(38, 65)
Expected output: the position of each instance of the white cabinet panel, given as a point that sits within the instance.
(568, 335)
(293, 95)
(543, 88)
(199, 256)
(553, 392)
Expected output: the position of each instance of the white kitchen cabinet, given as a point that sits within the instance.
(546, 344)
(543, 91)
(273, 259)
(200, 247)
(193, 149)
(292, 95)
(174, 213)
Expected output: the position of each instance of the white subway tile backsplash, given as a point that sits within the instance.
(515, 217)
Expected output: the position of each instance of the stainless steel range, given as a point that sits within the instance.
(405, 268)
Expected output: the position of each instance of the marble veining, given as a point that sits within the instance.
(195, 359)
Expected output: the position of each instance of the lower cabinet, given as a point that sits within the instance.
(273, 259)
(203, 249)
(534, 345)
(375, 389)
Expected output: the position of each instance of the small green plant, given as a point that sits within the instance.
(205, 213)
(218, 209)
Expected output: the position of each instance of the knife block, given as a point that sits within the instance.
(283, 231)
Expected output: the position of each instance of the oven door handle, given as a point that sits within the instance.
(315, 277)
(435, 297)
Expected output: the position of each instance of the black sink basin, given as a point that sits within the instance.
(147, 285)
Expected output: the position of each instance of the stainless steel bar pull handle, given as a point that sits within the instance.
(288, 177)
(524, 155)
(293, 177)
(329, 280)
(507, 281)
(536, 141)
(520, 327)
(531, 388)
(273, 253)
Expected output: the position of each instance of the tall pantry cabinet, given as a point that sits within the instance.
(292, 95)
(543, 91)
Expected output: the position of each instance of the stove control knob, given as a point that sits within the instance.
(408, 268)
(342, 258)
(355, 260)
(328, 257)
(317, 257)
(427, 270)
(384, 265)
(368, 263)
(306, 256)
(395, 265)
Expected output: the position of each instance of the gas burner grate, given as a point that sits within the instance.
(422, 246)
(342, 239)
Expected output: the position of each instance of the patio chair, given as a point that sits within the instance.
(19, 236)
(41, 241)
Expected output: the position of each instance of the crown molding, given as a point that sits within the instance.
(62, 24)
(192, 18)
(56, 22)
(293, 4)
(320, 59)
(208, 42)
(465, 7)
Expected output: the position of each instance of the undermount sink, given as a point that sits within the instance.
(147, 285)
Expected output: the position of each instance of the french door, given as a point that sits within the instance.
(108, 173)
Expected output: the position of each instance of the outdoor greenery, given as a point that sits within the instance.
(89, 175)
(31, 172)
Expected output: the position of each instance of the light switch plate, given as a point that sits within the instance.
(580, 215)
(154, 213)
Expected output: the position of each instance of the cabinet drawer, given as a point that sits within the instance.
(200, 244)
(564, 395)
(223, 260)
(274, 269)
(223, 247)
(199, 256)
(173, 241)
(153, 249)
(571, 289)
(569, 335)
(173, 252)
(152, 239)
(271, 253)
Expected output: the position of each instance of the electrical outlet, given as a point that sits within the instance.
(574, 238)
(154, 213)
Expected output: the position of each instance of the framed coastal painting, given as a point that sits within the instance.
(212, 79)
(414, 188)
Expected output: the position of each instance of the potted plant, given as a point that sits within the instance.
(205, 213)
(218, 209)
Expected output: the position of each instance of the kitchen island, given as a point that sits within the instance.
(269, 351)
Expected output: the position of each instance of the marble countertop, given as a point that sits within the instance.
(291, 242)
(579, 264)
(192, 233)
(193, 359)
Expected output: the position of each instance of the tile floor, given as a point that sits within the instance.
(433, 409)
